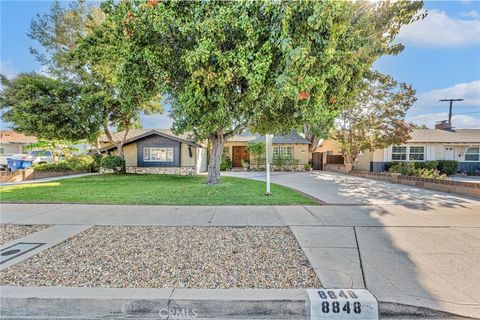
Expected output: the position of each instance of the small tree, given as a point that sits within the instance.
(377, 119)
(257, 150)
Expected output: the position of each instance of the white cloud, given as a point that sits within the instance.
(7, 69)
(440, 30)
(458, 121)
(470, 14)
(470, 91)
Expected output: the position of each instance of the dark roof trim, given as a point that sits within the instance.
(149, 133)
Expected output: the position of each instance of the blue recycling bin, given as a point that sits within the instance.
(14, 164)
(26, 164)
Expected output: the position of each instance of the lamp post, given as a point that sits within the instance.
(268, 144)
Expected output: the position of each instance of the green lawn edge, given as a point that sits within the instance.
(134, 189)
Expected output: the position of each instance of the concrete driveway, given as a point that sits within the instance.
(416, 246)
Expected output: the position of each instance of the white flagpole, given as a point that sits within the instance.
(268, 143)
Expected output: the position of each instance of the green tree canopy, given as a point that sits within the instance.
(48, 108)
(227, 65)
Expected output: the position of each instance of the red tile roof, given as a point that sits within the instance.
(10, 136)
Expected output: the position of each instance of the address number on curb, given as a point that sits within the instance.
(342, 304)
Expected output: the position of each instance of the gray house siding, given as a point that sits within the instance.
(159, 142)
(468, 166)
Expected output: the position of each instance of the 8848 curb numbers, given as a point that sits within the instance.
(342, 304)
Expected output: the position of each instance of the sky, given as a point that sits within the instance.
(441, 59)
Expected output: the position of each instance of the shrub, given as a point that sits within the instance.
(80, 163)
(114, 163)
(307, 166)
(473, 173)
(432, 165)
(427, 170)
(54, 166)
(226, 164)
(388, 165)
(447, 167)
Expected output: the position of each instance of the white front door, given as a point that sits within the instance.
(449, 153)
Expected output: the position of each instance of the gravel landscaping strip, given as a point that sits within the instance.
(9, 232)
(170, 257)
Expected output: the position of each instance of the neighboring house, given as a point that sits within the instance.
(12, 142)
(292, 146)
(158, 151)
(462, 145)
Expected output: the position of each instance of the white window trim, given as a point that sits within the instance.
(166, 160)
(279, 150)
(407, 153)
(424, 153)
(465, 155)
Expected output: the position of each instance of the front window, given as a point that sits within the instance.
(472, 154)
(417, 153)
(285, 151)
(399, 153)
(158, 154)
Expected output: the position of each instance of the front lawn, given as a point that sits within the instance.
(152, 189)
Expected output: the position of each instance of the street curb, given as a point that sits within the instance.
(150, 303)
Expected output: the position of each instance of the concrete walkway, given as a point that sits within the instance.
(47, 179)
(337, 188)
(424, 255)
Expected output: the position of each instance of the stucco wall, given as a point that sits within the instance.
(11, 148)
(185, 159)
(329, 145)
(363, 161)
(300, 152)
(130, 152)
(201, 159)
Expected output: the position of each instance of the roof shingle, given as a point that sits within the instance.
(10, 136)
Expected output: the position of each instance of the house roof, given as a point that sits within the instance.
(445, 136)
(291, 138)
(10, 136)
(136, 134)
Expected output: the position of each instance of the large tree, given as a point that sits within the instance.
(84, 90)
(377, 118)
(271, 66)
(49, 108)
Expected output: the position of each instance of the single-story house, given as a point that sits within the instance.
(12, 142)
(158, 151)
(292, 146)
(462, 145)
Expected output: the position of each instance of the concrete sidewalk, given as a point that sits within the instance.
(405, 254)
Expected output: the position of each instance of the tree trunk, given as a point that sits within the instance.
(218, 141)
(348, 162)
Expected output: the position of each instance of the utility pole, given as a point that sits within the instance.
(451, 106)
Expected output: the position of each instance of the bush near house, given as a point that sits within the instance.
(448, 167)
(226, 164)
(74, 163)
(114, 163)
(425, 169)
